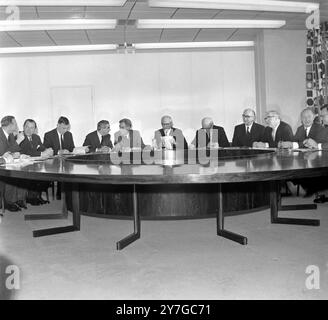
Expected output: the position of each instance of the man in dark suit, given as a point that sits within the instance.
(32, 146)
(60, 139)
(126, 138)
(169, 137)
(308, 130)
(9, 139)
(61, 142)
(248, 132)
(99, 140)
(210, 136)
(276, 131)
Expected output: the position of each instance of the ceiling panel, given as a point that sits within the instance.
(7, 41)
(69, 37)
(174, 35)
(214, 34)
(31, 38)
(105, 36)
(137, 35)
(59, 12)
(195, 14)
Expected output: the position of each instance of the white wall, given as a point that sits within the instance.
(141, 86)
(284, 54)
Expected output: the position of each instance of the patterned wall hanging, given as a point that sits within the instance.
(316, 67)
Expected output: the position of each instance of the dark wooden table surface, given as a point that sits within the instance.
(222, 167)
(238, 165)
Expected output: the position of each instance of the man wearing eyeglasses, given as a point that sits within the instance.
(169, 137)
(276, 131)
(248, 132)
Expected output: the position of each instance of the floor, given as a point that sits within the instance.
(172, 260)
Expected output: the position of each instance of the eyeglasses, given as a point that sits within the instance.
(247, 116)
(166, 124)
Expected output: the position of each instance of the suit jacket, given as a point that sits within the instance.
(219, 136)
(51, 140)
(9, 144)
(93, 142)
(284, 132)
(177, 135)
(324, 144)
(241, 139)
(134, 140)
(33, 148)
(317, 133)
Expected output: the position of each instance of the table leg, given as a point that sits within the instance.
(76, 218)
(51, 216)
(136, 224)
(220, 223)
(275, 207)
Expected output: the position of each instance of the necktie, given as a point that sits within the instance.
(247, 131)
(102, 141)
(273, 134)
(61, 142)
(306, 132)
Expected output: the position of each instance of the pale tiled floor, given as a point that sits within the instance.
(172, 260)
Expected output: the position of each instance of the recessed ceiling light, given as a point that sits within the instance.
(57, 24)
(93, 3)
(255, 5)
(185, 45)
(208, 23)
(44, 49)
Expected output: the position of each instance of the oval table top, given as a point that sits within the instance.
(227, 165)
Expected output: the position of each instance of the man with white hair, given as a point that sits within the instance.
(308, 130)
(249, 131)
(210, 136)
(276, 131)
(168, 136)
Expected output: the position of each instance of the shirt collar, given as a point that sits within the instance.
(99, 135)
(250, 126)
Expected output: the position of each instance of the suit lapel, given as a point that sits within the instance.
(3, 137)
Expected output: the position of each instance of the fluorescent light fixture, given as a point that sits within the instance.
(62, 24)
(254, 5)
(208, 23)
(186, 45)
(43, 49)
(93, 3)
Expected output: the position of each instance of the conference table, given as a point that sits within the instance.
(169, 184)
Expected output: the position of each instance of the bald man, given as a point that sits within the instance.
(210, 136)
(169, 137)
(248, 132)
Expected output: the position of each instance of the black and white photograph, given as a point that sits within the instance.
(162, 151)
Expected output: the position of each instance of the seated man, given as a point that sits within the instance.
(210, 136)
(248, 132)
(32, 146)
(275, 132)
(60, 139)
(169, 137)
(9, 140)
(315, 185)
(99, 140)
(308, 130)
(61, 142)
(126, 139)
